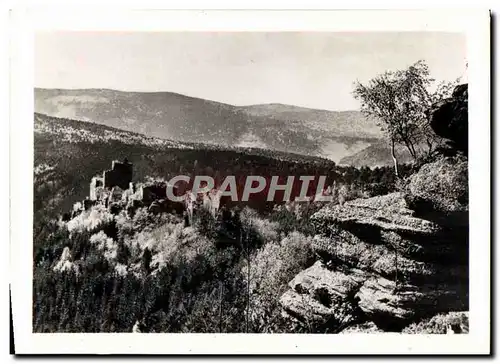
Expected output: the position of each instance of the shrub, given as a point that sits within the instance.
(168, 243)
(257, 230)
(105, 244)
(205, 223)
(121, 270)
(458, 322)
(90, 220)
(141, 221)
(271, 268)
(350, 192)
(295, 218)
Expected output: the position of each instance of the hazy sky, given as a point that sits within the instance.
(306, 69)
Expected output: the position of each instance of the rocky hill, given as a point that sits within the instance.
(167, 115)
(398, 261)
(380, 263)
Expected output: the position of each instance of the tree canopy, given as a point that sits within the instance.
(399, 100)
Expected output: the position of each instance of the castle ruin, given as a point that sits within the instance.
(115, 187)
(120, 175)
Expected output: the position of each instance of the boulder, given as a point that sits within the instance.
(391, 203)
(322, 299)
(449, 118)
(394, 306)
(342, 247)
(319, 278)
(440, 186)
(379, 300)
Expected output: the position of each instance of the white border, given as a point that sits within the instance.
(474, 23)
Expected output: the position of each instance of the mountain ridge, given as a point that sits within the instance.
(170, 115)
(266, 104)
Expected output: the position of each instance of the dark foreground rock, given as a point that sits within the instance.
(449, 118)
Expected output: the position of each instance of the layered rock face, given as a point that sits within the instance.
(398, 261)
(380, 264)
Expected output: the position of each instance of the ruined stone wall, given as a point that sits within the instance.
(153, 192)
(94, 185)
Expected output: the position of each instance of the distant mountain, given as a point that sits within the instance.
(329, 134)
(339, 123)
(377, 155)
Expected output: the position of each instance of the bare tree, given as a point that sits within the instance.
(398, 101)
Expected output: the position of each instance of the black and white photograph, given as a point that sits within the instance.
(252, 182)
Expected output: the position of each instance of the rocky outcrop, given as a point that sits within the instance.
(449, 118)
(380, 226)
(388, 212)
(379, 261)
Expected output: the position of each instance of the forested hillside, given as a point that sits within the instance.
(112, 270)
